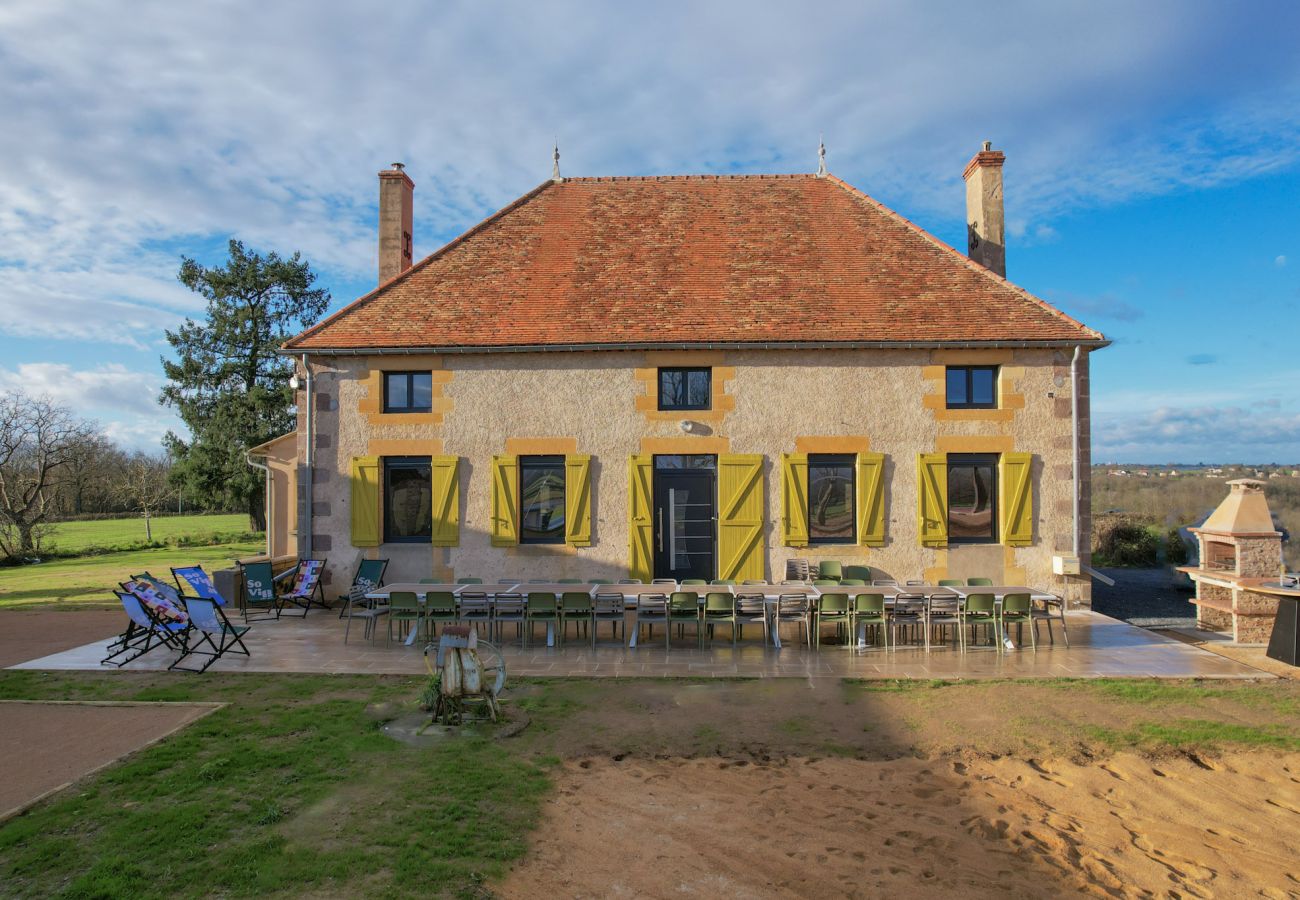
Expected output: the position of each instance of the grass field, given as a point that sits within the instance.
(127, 532)
(293, 790)
(89, 580)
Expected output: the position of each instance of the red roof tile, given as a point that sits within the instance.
(692, 259)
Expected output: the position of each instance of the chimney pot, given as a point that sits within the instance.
(985, 219)
(396, 205)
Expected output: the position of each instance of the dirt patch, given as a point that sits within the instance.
(774, 718)
(30, 634)
(48, 745)
(918, 828)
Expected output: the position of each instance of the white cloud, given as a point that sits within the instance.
(133, 129)
(1280, 262)
(1201, 433)
(124, 403)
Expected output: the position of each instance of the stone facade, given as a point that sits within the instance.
(766, 402)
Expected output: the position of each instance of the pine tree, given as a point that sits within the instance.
(228, 382)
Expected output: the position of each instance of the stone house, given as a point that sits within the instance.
(695, 376)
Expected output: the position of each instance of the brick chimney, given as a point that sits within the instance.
(985, 222)
(396, 190)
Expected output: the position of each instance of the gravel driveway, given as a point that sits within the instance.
(1149, 598)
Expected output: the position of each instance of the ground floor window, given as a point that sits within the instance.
(831, 498)
(408, 499)
(541, 499)
(972, 498)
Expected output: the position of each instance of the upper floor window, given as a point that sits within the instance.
(406, 392)
(541, 499)
(972, 387)
(408, 500)
(972, 498)
(831, 498)
(682, 388)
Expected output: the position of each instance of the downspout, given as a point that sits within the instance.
(305, 530)
(268, 511)
(1078, 495)
(1074, 427)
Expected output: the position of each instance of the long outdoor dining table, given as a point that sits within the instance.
(421, 591)
(771, 596)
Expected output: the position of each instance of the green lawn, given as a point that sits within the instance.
(293, 790)
(89, 580)
(127, 532)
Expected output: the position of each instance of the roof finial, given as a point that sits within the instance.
(821, 157)
(555, 163)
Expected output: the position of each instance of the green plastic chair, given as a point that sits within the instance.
(977, 610)
(720, 608)
(403, 609)
(833, 607)
(541, 606)
(826, 582)
(853, 582)
(469, 580)
(695, 581)
(727, 582)
(684, 607)
(576, 606)
(868, 609)
(439, 606)
(979, 582)
(862, 572)
(568, 581)
(830, 569)
(951, 582)
(1017, 609)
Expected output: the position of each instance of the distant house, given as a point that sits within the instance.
(695, 376)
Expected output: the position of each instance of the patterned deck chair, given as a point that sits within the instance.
(198, 581)
(305, 588)
(209, 628)
(143, 633)
(259, 591)
(370, 575)
(160, 600)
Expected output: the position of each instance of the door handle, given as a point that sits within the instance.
(661, 530)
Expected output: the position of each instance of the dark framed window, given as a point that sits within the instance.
(683, 388)
(972, 498)
(541, 499)
(972, 387)
(408, 500)
(832, 499)
(408, 392)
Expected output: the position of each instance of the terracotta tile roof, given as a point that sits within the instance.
(692, 259)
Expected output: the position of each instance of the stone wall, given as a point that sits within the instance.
(765, 402)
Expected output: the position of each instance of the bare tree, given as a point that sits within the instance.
(91, 480)
(146, 487)
(37, 438)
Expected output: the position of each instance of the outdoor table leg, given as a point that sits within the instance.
(775, 617)
(550, 634)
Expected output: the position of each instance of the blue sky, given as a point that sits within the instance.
(1152, 176)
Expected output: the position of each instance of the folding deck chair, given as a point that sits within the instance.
(259, 590)
(209, 627)
(370, 575)
(306, 587)
(199, 583)
(143, 633)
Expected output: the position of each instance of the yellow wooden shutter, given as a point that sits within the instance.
(446, 500)
(932, 499)
(871, 499)
(640, 516)
(505, 501)
(794, 499)
(742, 551)
(1017, 502)
(365, 501)
(577, 500)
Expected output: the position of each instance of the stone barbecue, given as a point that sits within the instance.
(1240, 551)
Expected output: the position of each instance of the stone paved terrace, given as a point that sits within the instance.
(1100, 647)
